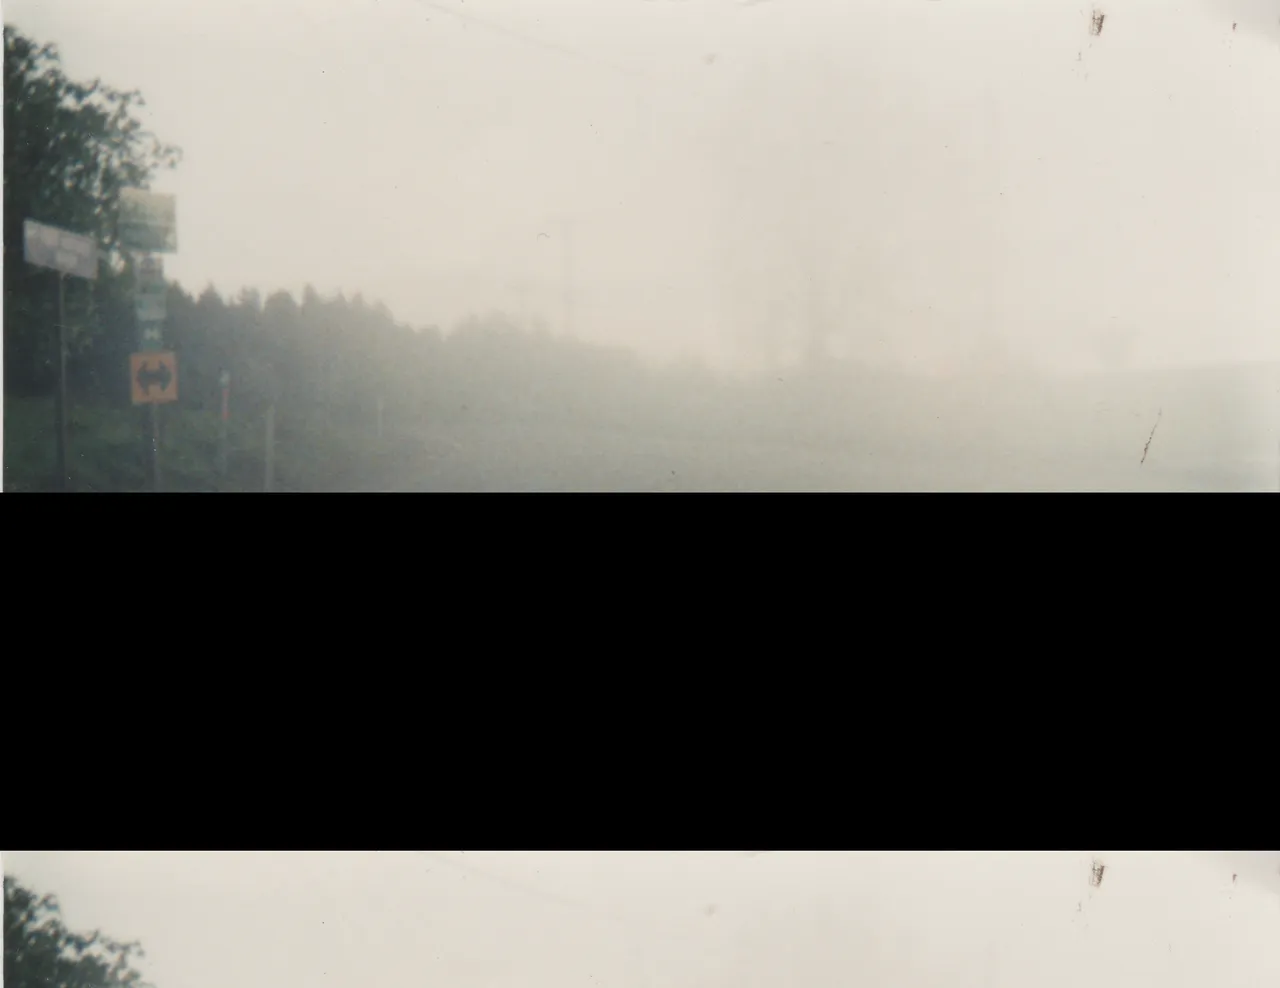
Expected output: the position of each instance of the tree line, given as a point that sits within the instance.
(70, 147)
(320, 361)
(40, 952)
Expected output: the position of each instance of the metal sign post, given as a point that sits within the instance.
(154, 381)
(149, 303)
(149, 309)
(62, 482)
(148, 225)
(68, 254)
(157, 482)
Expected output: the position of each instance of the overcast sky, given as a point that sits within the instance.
(950, 177)
(644, 920)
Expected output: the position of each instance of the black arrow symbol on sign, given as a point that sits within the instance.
(160, 375)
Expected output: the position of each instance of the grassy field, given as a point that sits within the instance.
(108, 450)
(531, 455)
(1187, 431)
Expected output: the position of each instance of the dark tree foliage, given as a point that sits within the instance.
(40, 952)
(332, 360)
(69, 148)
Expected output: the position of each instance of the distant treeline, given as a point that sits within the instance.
(70, 147)
(336, 358)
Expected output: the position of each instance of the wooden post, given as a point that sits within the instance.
(270, 452)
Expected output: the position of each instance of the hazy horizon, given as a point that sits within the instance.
(830, 245)
(947, 186)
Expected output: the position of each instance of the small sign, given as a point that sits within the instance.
(150, 302)
(151, 336)
(153, 378)
(148, 221)
(150, 275)
(150, 308)
(60, 250)
(224, 379)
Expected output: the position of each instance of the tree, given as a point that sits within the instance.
(69, 149)
(40, 952)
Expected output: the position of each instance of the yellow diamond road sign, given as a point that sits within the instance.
(153, 378)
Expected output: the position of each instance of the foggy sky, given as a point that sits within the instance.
(949, 182)
(642, 920)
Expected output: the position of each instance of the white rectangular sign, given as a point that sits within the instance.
(49, 247)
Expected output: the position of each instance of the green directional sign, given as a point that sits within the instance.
(149, 300)
(147, 221)
(150, 336)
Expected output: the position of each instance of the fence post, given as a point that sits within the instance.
(270, 451)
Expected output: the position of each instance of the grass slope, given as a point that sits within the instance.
(108, 450)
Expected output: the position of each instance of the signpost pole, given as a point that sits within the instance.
(66, 253)
(60, 402)
(155, 448)
(222, 442)
(148, 226)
